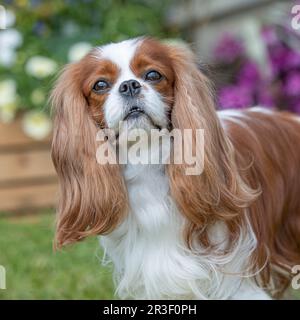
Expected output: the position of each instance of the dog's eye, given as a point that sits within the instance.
(153, 75)
(101, 86)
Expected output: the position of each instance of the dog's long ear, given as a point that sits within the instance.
(219, 192)
(92, 197)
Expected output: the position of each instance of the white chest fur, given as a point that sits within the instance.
(150, 258)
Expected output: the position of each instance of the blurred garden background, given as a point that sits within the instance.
(250, 49)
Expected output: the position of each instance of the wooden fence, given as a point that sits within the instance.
(27, 177)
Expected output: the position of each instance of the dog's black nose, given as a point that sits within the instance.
(130, 88)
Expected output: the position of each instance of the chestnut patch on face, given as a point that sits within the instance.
(152, 55)
(94, 70)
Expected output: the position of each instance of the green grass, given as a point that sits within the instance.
(35, 271)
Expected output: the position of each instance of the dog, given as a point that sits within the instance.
(231, 232)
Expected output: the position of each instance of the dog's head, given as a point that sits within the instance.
(150, 85)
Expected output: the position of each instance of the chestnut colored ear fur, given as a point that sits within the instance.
(92, 197)
(219, 193)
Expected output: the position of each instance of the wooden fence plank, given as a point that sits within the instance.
(27, 177)
(26, 165)
(26, 197)
(12, 134)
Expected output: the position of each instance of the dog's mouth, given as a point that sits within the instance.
(135, 112)
(139, 116)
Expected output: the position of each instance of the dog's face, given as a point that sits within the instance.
(129, 81)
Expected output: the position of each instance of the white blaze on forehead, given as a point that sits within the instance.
(121, 54)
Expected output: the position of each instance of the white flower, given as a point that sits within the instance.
(7, 57)
(8, 100)
(8, 92)
(37, 96)
(8, 112)
(78, 51)
(36, 125)
(10, 39)
(10, 18)
(40, 67)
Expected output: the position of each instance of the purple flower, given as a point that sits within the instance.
(237, 97)
(292, 84)
(265, 98)
(278, 57)
(249, 75)
(294, 105)
(269, 36)
(292, 59)
(250, 86)
(281, 56)
(228, 49)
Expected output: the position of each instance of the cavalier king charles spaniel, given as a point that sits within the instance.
(231, 232)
